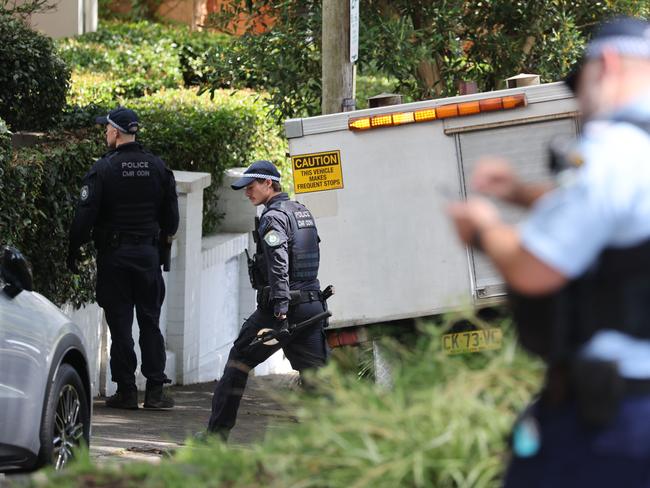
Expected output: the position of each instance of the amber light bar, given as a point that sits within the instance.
(440, 112)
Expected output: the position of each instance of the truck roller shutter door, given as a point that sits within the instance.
(526, 147)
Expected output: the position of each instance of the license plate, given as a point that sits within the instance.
(472, 341)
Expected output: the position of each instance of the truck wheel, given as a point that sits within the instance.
(65, 426)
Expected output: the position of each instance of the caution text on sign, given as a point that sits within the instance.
(317, 172)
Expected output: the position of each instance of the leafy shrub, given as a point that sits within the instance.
(137, 58)
(209, 134)
(33, 79)
(137, 70)
(38, 197)
(105, 91)
(444, 424)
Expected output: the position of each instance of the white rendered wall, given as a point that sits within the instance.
(219, 324)
(68, 18)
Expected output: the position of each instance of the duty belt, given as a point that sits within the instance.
(137, 239)
(112, 239)
(299, 297)
(296, 297)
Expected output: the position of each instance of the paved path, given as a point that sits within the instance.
(126, 435)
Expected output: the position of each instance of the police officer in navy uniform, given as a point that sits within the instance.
(284, 272)
(129, 207)
(579, 271)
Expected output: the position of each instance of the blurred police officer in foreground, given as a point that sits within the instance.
(128, 202)
(579, 271)
(284, 272)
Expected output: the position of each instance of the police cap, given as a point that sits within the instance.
(259, 169)
(123, 119)
(627, 36)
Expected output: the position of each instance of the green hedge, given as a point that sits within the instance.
(137, 58)
(33, 79)
(38, 195)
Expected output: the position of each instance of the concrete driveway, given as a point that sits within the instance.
(128, 435)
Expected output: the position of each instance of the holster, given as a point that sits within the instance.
(264, 298)
(599, 389)
(165, 251)
(595, 386)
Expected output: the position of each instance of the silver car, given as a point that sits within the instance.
(45, 401)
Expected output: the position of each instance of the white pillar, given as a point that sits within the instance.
(239, 216)
(184, 297)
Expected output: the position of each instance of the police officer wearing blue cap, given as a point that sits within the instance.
(128, 206)
(284, 271)
(579, 271)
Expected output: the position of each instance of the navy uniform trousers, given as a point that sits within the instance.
(305, 349)
(130, 277)
(572, 455)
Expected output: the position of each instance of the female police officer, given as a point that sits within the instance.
(285, 274)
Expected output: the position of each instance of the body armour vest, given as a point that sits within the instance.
(613, 294)
(132, 190)
(303, 243)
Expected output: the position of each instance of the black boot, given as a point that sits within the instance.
(205, 436)
(156, 398)
(126, 398)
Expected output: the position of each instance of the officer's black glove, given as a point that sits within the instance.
(71, 260)
(281, 325)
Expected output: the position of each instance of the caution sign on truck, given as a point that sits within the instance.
(317, 172)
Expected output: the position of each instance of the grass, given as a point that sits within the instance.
(444, 424)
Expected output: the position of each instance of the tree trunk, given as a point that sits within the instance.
(428, 75)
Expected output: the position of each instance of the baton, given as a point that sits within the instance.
(271, 334)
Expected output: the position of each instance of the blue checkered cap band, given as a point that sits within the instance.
(625, 45)
(263, 176)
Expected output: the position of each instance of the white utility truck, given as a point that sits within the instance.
(376, 181)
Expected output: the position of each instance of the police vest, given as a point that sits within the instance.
(303, 245)
(132, 190)
(614, 293)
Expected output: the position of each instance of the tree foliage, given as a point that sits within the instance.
(426, 45)
(283, 61)
(25, 8)
(429, 45)
(33, 79)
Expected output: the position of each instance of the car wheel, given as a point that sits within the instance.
(66, 420)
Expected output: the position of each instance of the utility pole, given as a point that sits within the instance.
(338, 70)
